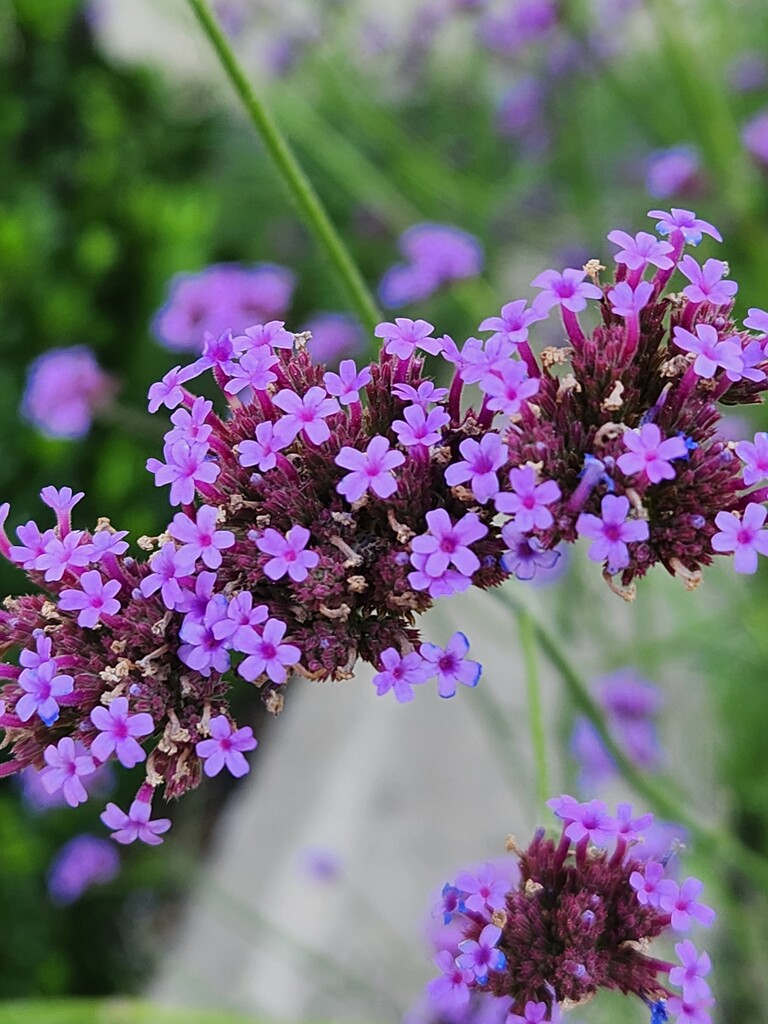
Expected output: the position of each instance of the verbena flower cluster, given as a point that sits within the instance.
(318, 513)
(65, 389)
(577, 914)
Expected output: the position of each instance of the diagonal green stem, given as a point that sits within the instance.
(311, 208)
(535, 711)
(659, 795)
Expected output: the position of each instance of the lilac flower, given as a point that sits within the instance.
(320, 863)
(334, 335)
(520, 112)
(451, 665)
(672, 171)
(194, 603)
(200, 538)
(400, 673)
(534, 1013)
(270, 439)
(484, 891)
(693, 969)
(64, 767)
(641, 251)
(436, 255)
(649, 454)
(33, 544)
(242, 621)
(190, 424)
(169, 391)
(745, 537)
(652, 888)
(627, 301)
(306, 415)
(253, 371)
(41, 682)
(450, 991)
(748, 71)
(423, 395)
(528, 500)
(288, 553)
(345, 385)
(755, 457)
(420, 429)
(225, 748)
(266, 654)
(404, 336)
(628, 828)
(94, 599)
(136, 824)
(481, 956)
(105, 542)
(611, 532)
(683, 224)
(754, 135)
(185, 468)
(592, 822)
(690, 1011)
(202, 649)
(441, 584)
(480, 465)
(62, 501)
(757, 320)
(508, 390)
(220, 351)
(82, 862)
(62, 555)
(119, 732)
(269, 335)
(710, 350)
(707, 284)
(369, 471)
(447, 543)
(169, 566)
(568, 290)
(451, 902)
(512, 326)
(525, 554)
(65, 388)
(684, 908)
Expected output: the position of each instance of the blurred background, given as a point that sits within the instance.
(461, 146)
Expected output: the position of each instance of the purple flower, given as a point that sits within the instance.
(169, 565)
(651, 886)
(420, 429)
(65, 388)
(119, 731)
(369, 471)
(202, 649)
(481, 462)
(106, 542)
(254, 370)
(240, 626)
(436, 255)
(707, 284)
(745, 537)
(220, 351)
(591, 822)
(288, 553)
(404, 336)
(508, 389)
(199, 537)
(442, 584)
(64, 767)
(641, 251)
(345, 385)
(269, 335)
(710, 350)
(482, 956)
(690, 1011)
(270, 439)
(267, 654)
(451, 991)
(754, 135)
(451, 902)
(672, 171)
(82, 862)
(136, 824)
(755, 457)
(450, 665)
(41, 683)
(307, 414)
(568, 290)
(528, 500)
(512, 326)
(400, 673)
(62, 554)
(186, 466)
(628, 828)
(333, 335)
(627, 301)
(169, 391)
(757, 320)
(525, 554)
(190, 424)
(447, 543)
(684, 908)
(690, 975)
(534, 1013)
(423, 395)
(611, 532)
(649, 454)
(94, 599)
(484, 891)
(683, 224)
(320, 863)
(225, 748)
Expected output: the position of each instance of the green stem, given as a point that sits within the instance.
(535, 710)
(659, 795)
(312, 210)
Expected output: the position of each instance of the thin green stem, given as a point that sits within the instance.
(311, 208)
(660, 795)
(535, 710)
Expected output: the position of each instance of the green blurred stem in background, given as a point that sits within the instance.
(535, 711)
(311, 208)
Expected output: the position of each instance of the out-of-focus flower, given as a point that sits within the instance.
(748, 72)
(436, 255)
(334, 336)
(65, 389)
(320, 863)
(519, 24)
(754, 135)
(224, 295)
(520, 110)
(673, 172)
(82, 862)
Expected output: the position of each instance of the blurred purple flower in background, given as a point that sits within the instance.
(520, 112)
(65, 388)
(335, 336)
(522, 22)
(754, 135)
(748, 71)
(82, 862)
(320, 863)
(436, 255)
(221, 297)
(673, 172)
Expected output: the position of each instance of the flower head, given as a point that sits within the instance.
(65, 388)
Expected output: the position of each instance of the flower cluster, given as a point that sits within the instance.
(576, 914)
(65, 388)
(435, 256)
